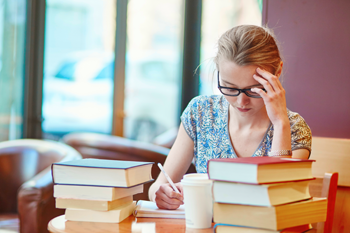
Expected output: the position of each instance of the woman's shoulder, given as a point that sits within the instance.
(208, 100)
(211, 106)
(300, 132)
(295, 118)
(298, 125)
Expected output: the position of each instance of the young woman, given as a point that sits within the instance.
(249, 119)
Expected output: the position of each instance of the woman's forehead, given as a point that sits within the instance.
(241, 76)
(232, 69)
(224, 64)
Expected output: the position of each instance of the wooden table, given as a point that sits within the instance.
(60, 225)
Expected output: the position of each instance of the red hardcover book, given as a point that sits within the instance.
(259, 170)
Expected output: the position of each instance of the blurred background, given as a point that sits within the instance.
(76, 86)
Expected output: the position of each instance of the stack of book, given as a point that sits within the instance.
(264, 194)
(96, 190)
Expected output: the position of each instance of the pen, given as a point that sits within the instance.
(168, 178)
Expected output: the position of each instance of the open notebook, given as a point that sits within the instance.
(149, 209)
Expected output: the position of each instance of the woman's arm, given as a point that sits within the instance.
(276, 107)
(301, 154)
(176, 165)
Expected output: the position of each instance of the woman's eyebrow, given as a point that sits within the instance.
(255, 85)
(226, 82)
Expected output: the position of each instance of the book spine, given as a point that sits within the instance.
(53, 178)
(208, 164)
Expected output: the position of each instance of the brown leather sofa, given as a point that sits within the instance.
(26, 189)
(93, 145)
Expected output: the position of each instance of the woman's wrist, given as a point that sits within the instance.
(282, 124)
(280, 153)
(152, 191)
(281, 138)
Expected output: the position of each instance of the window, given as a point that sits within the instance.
(79, 66)
(12, 42)
(153, 67)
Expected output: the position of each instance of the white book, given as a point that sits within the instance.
(94, 192)
(112, 216)
(70, 203)
(260, 195)
(149, 209)
(259, 170)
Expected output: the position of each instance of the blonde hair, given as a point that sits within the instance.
(249, 45)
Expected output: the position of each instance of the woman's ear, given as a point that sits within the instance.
(279, 70)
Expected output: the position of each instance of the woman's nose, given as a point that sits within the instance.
(243, 99)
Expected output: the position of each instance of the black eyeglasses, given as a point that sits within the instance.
(236, 91)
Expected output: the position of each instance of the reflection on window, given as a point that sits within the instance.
(218, 17)
(152, 67)
(78, 71)
(12, 41)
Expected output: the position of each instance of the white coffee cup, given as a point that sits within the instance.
(198, 200)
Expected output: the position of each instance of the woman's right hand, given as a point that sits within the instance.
(167, 198)
(176, 165)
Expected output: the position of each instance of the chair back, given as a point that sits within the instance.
(20, 160)
(100, 146)
(325, 186)
(332, 155)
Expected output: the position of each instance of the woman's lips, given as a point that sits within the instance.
(243, 109)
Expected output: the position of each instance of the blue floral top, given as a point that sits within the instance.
(206, 121)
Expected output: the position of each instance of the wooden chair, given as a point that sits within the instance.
(333, 155)
(325, 187)
(101, 146)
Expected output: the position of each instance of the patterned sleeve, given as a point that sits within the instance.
(300, 132)
(189, 117)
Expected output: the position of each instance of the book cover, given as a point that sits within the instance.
(149, 209)
(227, 228)
(103, 163)
(263, 160)
(272, 218)
(101, 172)
(261, 195)
(259, 170)
(70, 203)
(94, 192)
(112, 216)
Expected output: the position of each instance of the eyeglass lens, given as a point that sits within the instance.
(235, 92)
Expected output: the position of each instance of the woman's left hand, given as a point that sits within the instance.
(274, 97)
